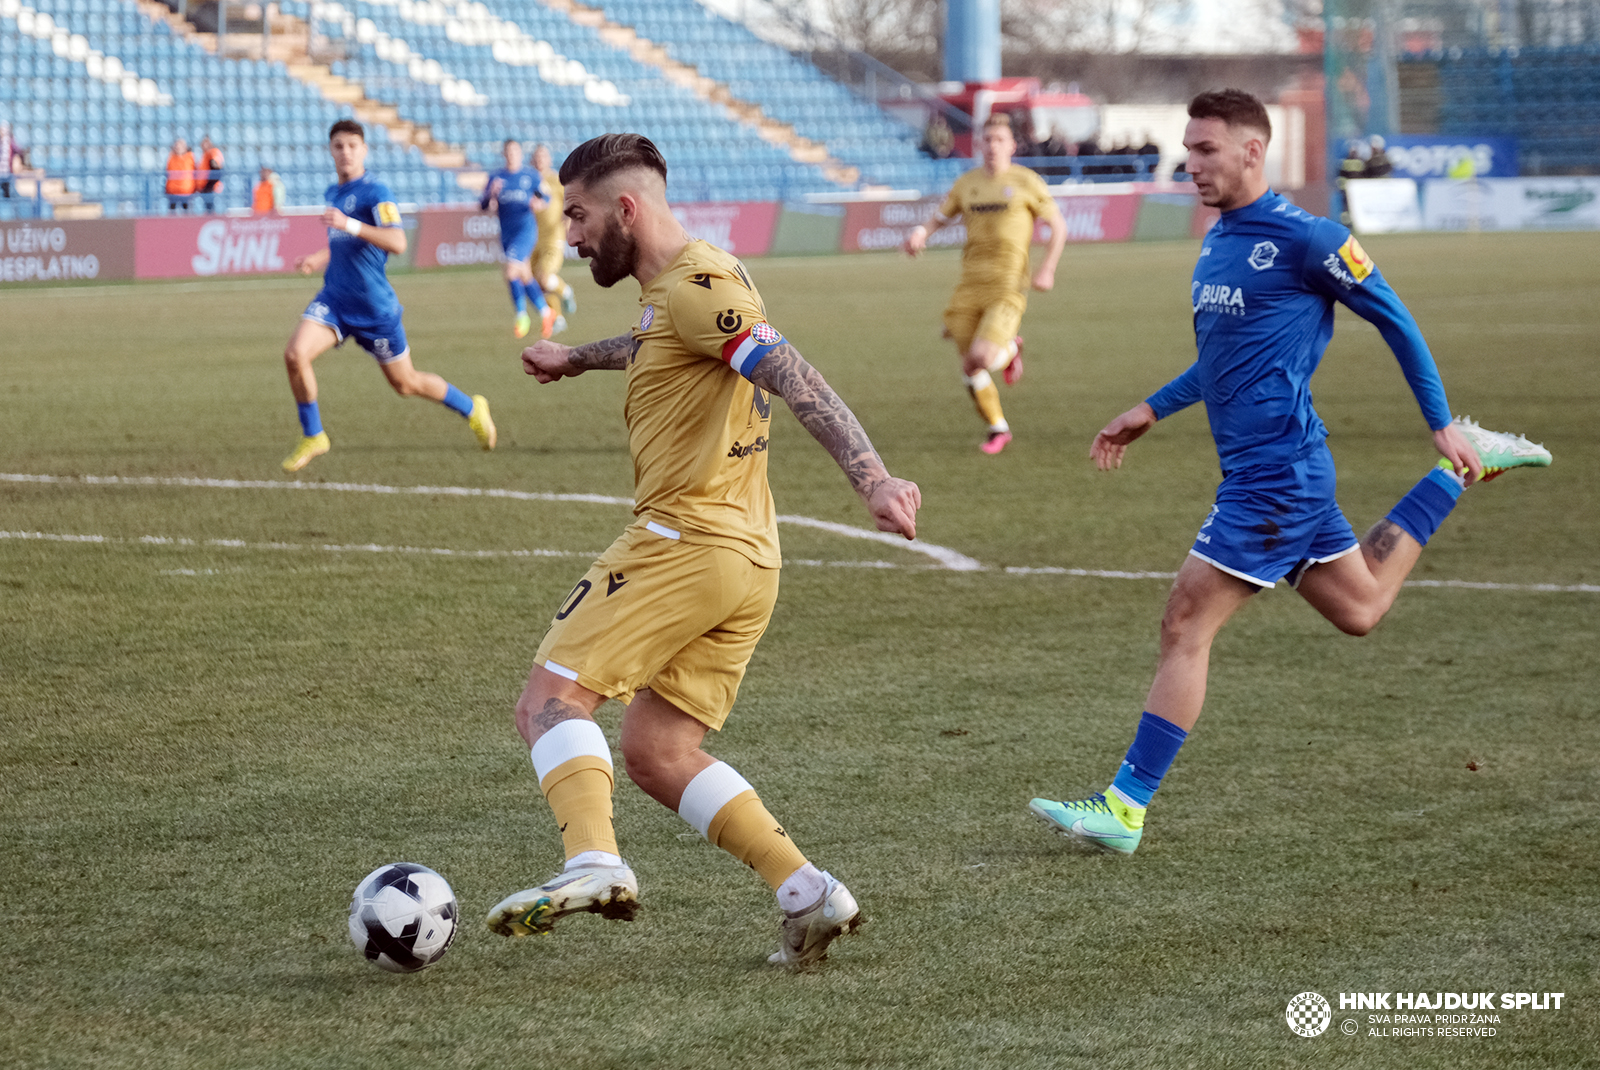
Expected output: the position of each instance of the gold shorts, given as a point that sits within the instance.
(994, 316)
(679, 618)
(547, 261)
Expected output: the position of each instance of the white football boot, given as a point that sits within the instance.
(609, 891)
(1500, 451)
(807, 933)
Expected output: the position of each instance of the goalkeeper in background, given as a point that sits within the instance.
(999, 203)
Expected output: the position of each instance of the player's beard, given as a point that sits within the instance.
(613, 257)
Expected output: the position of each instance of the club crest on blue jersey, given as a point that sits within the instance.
(1262, 256)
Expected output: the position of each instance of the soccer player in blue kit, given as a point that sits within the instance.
(357, 301)
(1263, 295)
(516, 192)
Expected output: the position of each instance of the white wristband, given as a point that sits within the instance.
(353, 226)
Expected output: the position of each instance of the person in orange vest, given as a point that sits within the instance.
(267, 197)
(180, 176)
(210, 174)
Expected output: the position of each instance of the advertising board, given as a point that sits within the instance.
(174, 247)
(44, 250)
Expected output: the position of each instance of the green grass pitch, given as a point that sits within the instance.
(206, 741)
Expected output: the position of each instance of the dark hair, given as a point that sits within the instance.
(347, 126)
(601, 157)
(1234, 107)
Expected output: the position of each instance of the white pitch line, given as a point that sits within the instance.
(440, 551)
(946, 557)
(1097, 573)
(327, 547)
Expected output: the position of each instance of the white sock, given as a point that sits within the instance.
(804, 888)
(594, 858)
(1451, 472)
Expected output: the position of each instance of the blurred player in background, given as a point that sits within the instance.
(665, 620)
(998, 202)
(515, 193)
(1263, 294)
(356, 299)
(551, 248)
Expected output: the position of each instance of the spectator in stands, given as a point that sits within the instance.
(1150, 149)
(937, 139)
(1057, 144)
(1027, 140)
(180, 177)
(13, 158)
(1378, 165)
(267, 197)
(209, 174)
(1352, 167)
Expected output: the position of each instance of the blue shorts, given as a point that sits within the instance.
(385, 339)
(1273, 521)
(519, 246)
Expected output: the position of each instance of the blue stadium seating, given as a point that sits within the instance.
(110, 139)
(1547, 98)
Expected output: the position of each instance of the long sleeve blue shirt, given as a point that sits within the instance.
(1263, 293)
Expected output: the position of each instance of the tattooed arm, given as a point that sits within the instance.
(548, 361)
(892, 502)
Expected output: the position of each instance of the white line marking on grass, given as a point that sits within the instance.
(950, 559)
(1096, 573)
(946, 557)
(440, 551)
(241, 544)
(277, 484)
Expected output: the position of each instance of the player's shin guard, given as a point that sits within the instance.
(1154, 747)
(725, 809)
(986, 396)
(573, 762)
(1424, 508)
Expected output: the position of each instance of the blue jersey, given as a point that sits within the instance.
(355, 283)
(1263, 294)
(516, 215)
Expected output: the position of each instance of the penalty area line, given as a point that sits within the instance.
(448, 552)
(946, 557)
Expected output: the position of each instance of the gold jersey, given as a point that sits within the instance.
(552, 224)
(697, 428)
(999, 213)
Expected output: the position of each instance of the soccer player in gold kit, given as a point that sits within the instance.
(666, 619)
(999, 203)
(550, 250)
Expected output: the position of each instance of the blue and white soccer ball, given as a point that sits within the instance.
(403, 917)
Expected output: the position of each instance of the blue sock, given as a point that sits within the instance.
(1425, 506)
(536, 295)
(1154, 746)
(455, 399)
(310, 418)
(519, 295)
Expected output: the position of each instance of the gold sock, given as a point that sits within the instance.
(986, 396)
(745, 829)
(579, 792)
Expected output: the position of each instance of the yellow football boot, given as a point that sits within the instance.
(309, 448)
(481, 424)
